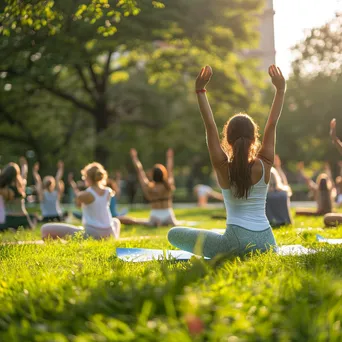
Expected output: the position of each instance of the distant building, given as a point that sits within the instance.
(267, 50)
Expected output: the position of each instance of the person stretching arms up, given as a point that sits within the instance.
(96, 217)
(243, 172)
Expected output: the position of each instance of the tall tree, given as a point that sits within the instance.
(82, 51)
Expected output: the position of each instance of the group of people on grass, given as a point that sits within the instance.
(247, 171)
(96, 196)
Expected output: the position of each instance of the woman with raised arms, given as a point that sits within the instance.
(243, 171)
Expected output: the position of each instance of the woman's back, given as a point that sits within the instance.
(50, 204)
(15, 206)
(250, 212)
(159, 195)
(97, 214)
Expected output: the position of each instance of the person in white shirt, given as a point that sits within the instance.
(97, 220)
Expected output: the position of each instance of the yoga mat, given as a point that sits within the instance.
(144, 254)
(293, 250)
(187, 223)
(320, 238)
(308, 229)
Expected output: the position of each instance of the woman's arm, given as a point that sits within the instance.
(73, 184)
(218, 158)
(310, 183)
(336, 141)
(268, 144)
(38, 181)
(169, 167)
(23, 170)
(118, 181)
(143, 180)
(59, 176)
(84, 197)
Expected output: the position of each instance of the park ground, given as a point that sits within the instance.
(79, 291)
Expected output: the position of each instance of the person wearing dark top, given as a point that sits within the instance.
(12, 187)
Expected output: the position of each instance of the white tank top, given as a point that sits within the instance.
(97, 214)
(248, 213)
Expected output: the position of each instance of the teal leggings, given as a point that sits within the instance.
(236, 241)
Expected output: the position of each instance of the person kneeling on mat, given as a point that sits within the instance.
(96, 217)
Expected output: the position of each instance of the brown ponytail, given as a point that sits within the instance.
(240, 168)
(241, 143)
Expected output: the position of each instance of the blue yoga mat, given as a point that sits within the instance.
(320, 238)
(144, 254)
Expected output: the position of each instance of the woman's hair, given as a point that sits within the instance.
(11, 173)
(324, 194)
(241, 143)
(95, 172)
(160, 175)
(49, 182)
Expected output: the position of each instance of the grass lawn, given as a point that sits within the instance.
(80, 292)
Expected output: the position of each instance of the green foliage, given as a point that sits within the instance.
(117, 66)
(320, 52)
(313, 97)
(80, 292)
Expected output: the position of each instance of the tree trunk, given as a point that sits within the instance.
(102, 119)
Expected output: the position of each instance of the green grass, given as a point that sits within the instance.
(80, 292)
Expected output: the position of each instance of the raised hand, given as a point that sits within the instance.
(133, 152)
(36, 167)
(22, 161)
(60, 164)
(333, 130)
(70, 177)
(169, 153)
(203, 78)
(277, 78)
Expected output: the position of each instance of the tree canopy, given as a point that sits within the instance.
(90, 78)
(313, 97)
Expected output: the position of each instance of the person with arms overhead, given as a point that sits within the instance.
(96, 217)
(243, 171)
(49, 193)
(12, 189)
(158, 191)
